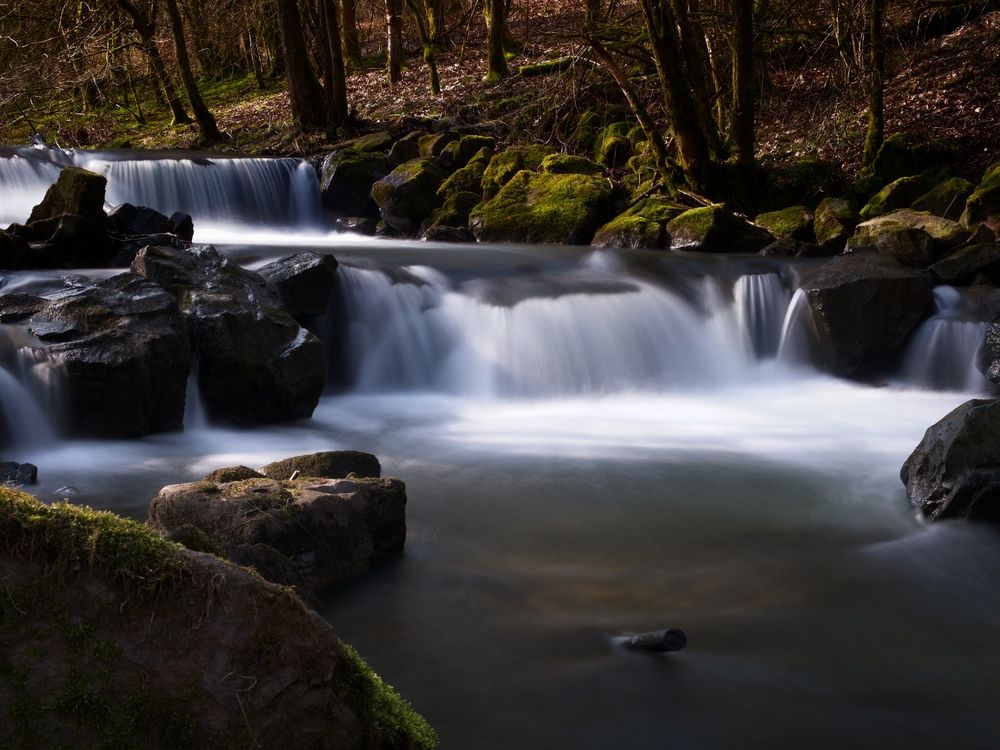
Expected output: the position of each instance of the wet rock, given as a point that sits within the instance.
(955, 470)
(644, 225)
(864, 307)
(967, 264)
(715, 229)
(77, 192)
(256, 364)
(988, 357)
(444, 233)
(310, 531)
(787, 247)
(183, 225)
(16, 473)
(833, 223)
(303, 282)
(327, 464)
(133, 220)
(408, 194)
(116, 353)
(362, 225)
(346, 180)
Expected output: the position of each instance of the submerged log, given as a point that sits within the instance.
(656, 641)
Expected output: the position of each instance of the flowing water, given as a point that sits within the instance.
(602, 443)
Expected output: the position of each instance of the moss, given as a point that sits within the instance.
(458, 153)
(902, 155)
(795, 222)
(946, 199)
(584, 135)
(715, 229)
(433, 144)
(833, 221)
(454, 212)
(232, 474)
(196, 539)
(76, 191)
(67, 539)
(468, 179)
(568, 164)
(507, 163)
(394, 723)
(984, 203)
(372, 142)
(897, 194)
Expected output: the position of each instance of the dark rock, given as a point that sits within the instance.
(183, 225)
(363, 225)
(946, 199)
(129, 219)
(443, 233)
(14, 251)
(914, 238)
(833, 223)
(715, 229)
(454, 212)
(433, 145)
(644, 225)
(406, 148)
(232, 474)
(303, 282)
(256, 364)
(864, 307)
(119, 352)
(18, 473)
(458, 153)
(468, 179)
(967, 264)
(902, 155)
(955, 470)
(323, 530)
(16, 307)
(408, 194)
(328, 465)
(983, 206)
(787, 247)
(379, 142)
(897, 194)
(76, 191)
(988, 357)
(346, 181)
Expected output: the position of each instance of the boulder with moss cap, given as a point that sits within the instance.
(914, 238)
(507, 163)
(795, 222)
(644, 225)
(898, 194)
(408, 194)
(834, 221)
(946, 199)
(716, 229)
(150, 645)
(983, 206)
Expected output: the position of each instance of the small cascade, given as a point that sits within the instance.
(761, 301)
(23, 183)
(418, 331)
(942, 354)
(24, 424)
(797, 343)
(195, 416)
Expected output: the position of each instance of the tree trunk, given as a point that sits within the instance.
(496, 66)
(876, 83)
(303, 88)
(144, 29)
(743, 88)
(421, 15)
(209, 130)
(394, 25)
(336, 82)
(592, 14)
(695, 55)
(349, 25)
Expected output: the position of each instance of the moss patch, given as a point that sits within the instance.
(569, 164)
(795, 222)
(897, 194)
(509, 162)
(643, 225)
(946, 199)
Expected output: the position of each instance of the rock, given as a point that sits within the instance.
(955, 470)
(256, 364)
(715, 229)
(946, 199)
(134, 227)
(454, 212)
(139, 220)
(406, 148)
(116, 354)
(864, 307)
(644, 225)
(983, 205)
(146, 644)
(183, 225)
(914, 238)
(613, 147)
(408, 194)
(468, 179)
(432, 146)
(564, 209)
(804, 178)
(76, 191)
(833, 223)
(362, 225)
(897, 194)
(14, 251)
(346, 181)
(324, 530)
(988, 357)
(444, 233)
(902, 155)
(786, 247)
(15, 473)
(569, 164)
(967, 264)
(504, 165)
(795, 222)
(328, 464)
(379, 142)
(303, 282)
(458, 153)
(232, 474)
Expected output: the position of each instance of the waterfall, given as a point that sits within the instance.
(942, 354)
(797, 341)
(23, 182)
(195, 416)
(761, 304)
(24, 423)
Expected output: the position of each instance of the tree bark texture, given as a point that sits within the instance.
(743, 86)
(876, 83)
(303, 88)
(206, 122)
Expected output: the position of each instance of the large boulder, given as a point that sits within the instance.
(834, 221)
(76, 191)
(897, 194)
(504, 165)
(458, 153)
(795, 222)
(134, 227)
(644, 225)
(326, 464)
(914, 238)
(946, 199)
(115, 353)
(716, 229)
(559, 209)
(308, 532)
(983, 205)
(988, 356)
(408, 194)
(346, 180)
(955, 470)
(256, 364)
(967, 264)
(112, 636)
(864, 307)
(303, 282)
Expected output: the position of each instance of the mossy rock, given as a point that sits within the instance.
(716, 229)
(946, 199)
(346, 180)
(468, 179)
(897, 194)
(562, 209)
(569, 164)
(504, 165)
(833, 222)
(902, 155)
(914, 238)
(406, 148)
(802, 181)
(76, 191)
(379, 142)
(969, 265)
(644, 225)
(458, 153)
(232, 474)
(983, 205)
(327, 464)
(431, 146)
(584, 135)
(408, 194)
(613, 147)
(455, 210)
(795, 222)
(196, 540)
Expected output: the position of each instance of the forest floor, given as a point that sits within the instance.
(943, 84)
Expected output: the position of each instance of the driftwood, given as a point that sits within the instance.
(657, 641)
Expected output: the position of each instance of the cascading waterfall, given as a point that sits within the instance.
(942, 354)
(24, 423)
(797, 342)
(761, 304)
(23, 182)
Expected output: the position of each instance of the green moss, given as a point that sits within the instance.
(458, 153)
(394, 722)
(76, 191)
(833, 221)
(468, 179)
(946, 199)
(196, 539)
(897, 194)
(984, 203)
(454, 212)
(569, 164)
(232, 474)
(584, 135)
(795, 222)
(433, 144)
(507, 163)
(372, 142)
(715, 229)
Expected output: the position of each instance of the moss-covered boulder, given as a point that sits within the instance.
(346, 180)
(898, 194)
(716, 229)
(504, 165)
(983, 205)
(833, 223)
(613, 148)
(795, 222)
(801, 180)
(563, 209)
(146, 644)
(408, 194)
(570, 164)
(643, 225)
(406, 148)
(378, 142)
(76, 191)
(119, 350)
(946, 199)
(584, 136)
(468, 179)
(434, 144)
(458, 153)
(914, 238)
(455, 210)
(970, 265)
(902, 155)
(326, 464)
(864, 307)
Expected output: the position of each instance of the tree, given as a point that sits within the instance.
(423, 15)
(394, 25)
(496, 21)
(303, 88)
(349, 26)
(206, 122)
(876, 83)
(743, 88)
